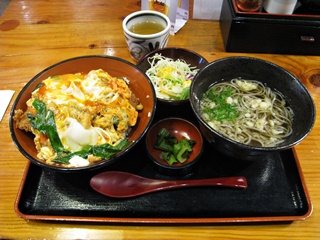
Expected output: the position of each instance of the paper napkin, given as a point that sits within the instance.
(5, 98)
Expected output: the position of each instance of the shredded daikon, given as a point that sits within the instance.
(171, 78)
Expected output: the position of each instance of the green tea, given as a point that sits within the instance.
(147, 27)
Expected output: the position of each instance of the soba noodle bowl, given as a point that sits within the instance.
(248, 112)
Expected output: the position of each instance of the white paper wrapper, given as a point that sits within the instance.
(5, 99)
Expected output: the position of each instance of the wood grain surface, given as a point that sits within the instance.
(36, 34)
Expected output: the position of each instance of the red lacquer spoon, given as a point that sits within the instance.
(123, 185)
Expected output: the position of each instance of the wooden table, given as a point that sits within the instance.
(37, 34)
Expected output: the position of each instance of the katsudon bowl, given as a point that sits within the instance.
(294, 93)
(135, 79)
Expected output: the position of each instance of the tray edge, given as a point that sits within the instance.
(167, 220)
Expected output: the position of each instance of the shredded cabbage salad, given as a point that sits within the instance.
(171, 78)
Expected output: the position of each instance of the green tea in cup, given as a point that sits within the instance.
(147, 27)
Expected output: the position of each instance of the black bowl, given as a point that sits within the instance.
(190, 57)
(275, 77)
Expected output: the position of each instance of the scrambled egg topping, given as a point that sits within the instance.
(90, 109)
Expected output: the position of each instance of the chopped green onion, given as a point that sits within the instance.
(223, 111)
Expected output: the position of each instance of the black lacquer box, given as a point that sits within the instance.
(261, 32)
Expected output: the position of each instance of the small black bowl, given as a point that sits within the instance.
(190, 57)
(271, 75)
(178, 128)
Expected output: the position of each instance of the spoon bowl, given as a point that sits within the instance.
(122, 184)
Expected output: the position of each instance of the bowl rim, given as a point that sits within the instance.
(171, 48)
(242, 145)
(170, 101)
(89, 167)
(176, 167)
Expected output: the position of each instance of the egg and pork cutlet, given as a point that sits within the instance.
(89, 110)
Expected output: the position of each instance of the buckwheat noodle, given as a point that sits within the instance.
(263, 117)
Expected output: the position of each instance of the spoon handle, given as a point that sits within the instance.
(234, 182)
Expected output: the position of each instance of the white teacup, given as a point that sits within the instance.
(145, 31)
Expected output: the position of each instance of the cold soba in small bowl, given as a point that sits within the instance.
(248, 107)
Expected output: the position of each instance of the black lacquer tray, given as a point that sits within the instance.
(276, 191)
